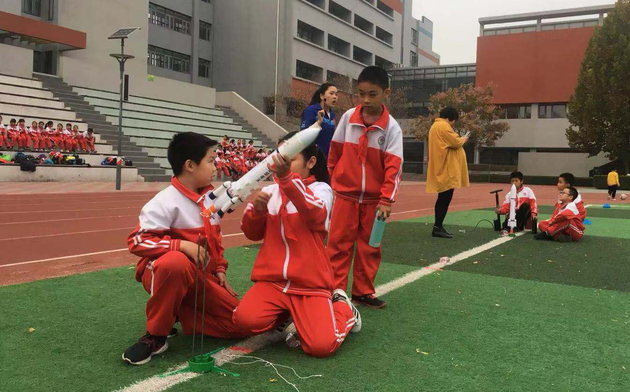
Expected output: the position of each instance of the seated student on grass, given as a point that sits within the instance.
(526, 207)
(567, 180)
(171, 262)
(565, 224)
(292, 275)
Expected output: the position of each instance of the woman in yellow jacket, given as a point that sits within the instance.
(448, 169)
(613, 184)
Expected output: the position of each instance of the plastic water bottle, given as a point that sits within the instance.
(377, 231)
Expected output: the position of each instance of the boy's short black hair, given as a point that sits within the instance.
(568, 178)
(573, 192)
(12, 120)
(375, 75)
(21, 120)
(449, 113)
(68, 124)
(90, 129)
(185, 146)
(517, 174)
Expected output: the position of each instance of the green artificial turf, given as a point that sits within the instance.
(524, 316)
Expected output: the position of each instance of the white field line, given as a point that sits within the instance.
(157, 383)
(85, 254)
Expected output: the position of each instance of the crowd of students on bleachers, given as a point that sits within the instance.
(40, 137)
(234, 158)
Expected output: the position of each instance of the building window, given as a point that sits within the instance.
(170, 19)
(205, 68)
(337, 78)
(384, 35)
(363, 24)
(317, 3)
(338, 45)
(307, 71)
(304, 33)
(168, 59)
(414, 59)
(385, 8)
(414, 37)
(207, 1)
(32, 7)
(556, 110)
(381, 62)
(513, 112)
(204, 30)
(362, 56)
(340, 12)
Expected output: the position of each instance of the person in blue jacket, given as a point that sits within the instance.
(325, 98)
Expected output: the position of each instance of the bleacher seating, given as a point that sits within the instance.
(151, 123)
(28, 99)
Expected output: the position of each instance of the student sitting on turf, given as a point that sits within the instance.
(526, 207)
(292, 273)
(167, 240)
(567, 180)
(565, 224)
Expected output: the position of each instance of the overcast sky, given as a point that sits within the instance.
(456, 22)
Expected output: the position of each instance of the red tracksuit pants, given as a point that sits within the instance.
(170, 280)
(321, 325)
(352, 222)
(24, 141)
(572, 228)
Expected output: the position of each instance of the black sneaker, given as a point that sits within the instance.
(173, 333)
(440, 232)
(564, 238)
(141, 352)
(369, 300)
(542, 236)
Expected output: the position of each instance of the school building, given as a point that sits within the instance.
(534, 60)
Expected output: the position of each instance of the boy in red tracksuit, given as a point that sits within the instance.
(3, 134)
(166, 239)
(24, 137)
(526, 205)
(292, 274)
(35, 135)
(87, 141)
(567, 180)
(365, 163)
(565, 224)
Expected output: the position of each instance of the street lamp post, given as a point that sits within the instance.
(121, 34)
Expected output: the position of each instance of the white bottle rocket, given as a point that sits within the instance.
(512, 218)
(231, 194)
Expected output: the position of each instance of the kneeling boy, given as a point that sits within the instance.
(166, 238)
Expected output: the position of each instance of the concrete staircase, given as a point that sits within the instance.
(147, 167)
(270, 144)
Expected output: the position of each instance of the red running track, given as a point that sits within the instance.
(43, 236)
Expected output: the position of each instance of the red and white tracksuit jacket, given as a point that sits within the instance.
(365, 164)
(523, 195)
(565, 220)
(292, 273)
(579, 204)
(293, 256)
(174, 215)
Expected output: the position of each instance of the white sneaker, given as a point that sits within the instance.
(340, 295)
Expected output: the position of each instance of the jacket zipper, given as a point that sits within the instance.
(285, 268)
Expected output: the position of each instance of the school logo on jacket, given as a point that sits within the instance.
(381, 140)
